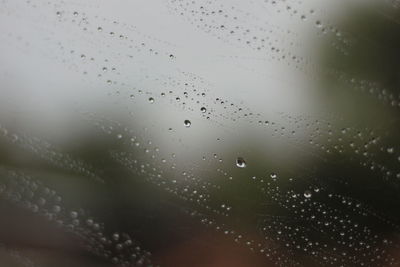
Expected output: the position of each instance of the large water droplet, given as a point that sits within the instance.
(240, 162)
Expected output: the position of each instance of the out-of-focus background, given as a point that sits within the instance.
(199, 133)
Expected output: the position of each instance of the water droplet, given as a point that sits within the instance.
(56, 209)
(390, 150)
(187, 123)
(151, 100)
(203, 109)
(115, 236)
(14, 138)
(307, 194)
(240, 162)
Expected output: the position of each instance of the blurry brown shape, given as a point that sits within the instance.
(210, 250)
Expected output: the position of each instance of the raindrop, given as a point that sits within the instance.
(187, 123)
(116, 236)
(307, 194)
(240, 162)
(151, 100)
(203, 109)
(56, 208)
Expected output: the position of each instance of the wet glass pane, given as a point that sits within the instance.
(199, 133)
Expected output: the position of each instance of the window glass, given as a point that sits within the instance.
(199, 133)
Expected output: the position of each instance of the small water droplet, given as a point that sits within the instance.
(115, 236)
(187, 123)
(307, 194)
(56, 208)
(151, 100)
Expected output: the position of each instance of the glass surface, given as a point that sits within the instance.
(199, 133)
